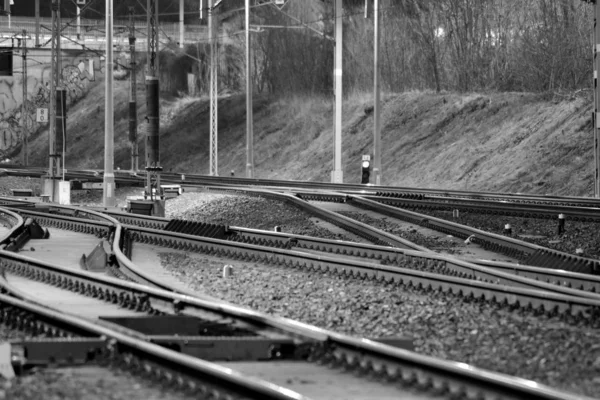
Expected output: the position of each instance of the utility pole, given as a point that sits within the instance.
(214, 100)
(153, 167)
(55, 73)
(78, 13)
(597, 98)
(25, 134)
(109, 121)
(337, 175)
(181, 24)
(37, 23)
(376, 108)
(133, 137)
(249, 127)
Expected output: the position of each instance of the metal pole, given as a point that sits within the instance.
(37, 23)
(337, 175)
(181, 24)
(214, 105)
(133, 136)
(597, 98)
(377, 109)
(153, 167)
(25, 156)
(249, 117)
(55, 82)
(78, 11)
(109, 174)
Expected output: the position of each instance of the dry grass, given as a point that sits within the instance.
(513, 142)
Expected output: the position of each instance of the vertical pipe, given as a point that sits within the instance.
(24, 109)
(337, 176)
(133, 136)
(37, 23)
(249, 116)
(376, 108)
(109, 175)
(596, 99)
(181, 24)
(78, 11)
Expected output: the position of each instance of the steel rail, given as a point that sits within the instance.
(374, 235)
(531, 254)
(575, 306)
(398, 257)
(259, 237)
(449, 266)
(526, 210)
(408, 367)
(14, 222)
(283, 240)
(361, 189)
(512, 247)
(210, 376)
(137, 179)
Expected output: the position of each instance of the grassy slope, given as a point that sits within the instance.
(497, 142)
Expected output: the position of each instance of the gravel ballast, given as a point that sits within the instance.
(546, 350)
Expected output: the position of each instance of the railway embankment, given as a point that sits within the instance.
(505, 142)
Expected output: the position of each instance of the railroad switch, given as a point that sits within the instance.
(210, 340)
(29, 353)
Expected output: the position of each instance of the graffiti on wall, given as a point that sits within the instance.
(77, 73)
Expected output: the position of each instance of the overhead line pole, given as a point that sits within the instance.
(249, 115)
(109, 174)
(55, 68)
(597, 98)
(37, 23)
(181, 24)
(214, 100)
(133, 136)
(376, 108)
(337, 175)
(25, 133)
(153, 167)
(78, 14)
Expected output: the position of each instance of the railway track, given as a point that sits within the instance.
(82, 282)
(290, 242)
(357, 251)
(509, 200)
(365, 356)
(527, 253)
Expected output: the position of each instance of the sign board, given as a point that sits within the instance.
(366, 157)
(92, 185)
(41, 115)
(81, 2)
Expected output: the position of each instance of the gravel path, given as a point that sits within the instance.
(538, 348)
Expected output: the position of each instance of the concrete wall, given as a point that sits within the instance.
(79, 70)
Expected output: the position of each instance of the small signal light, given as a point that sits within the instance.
(366, 171)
